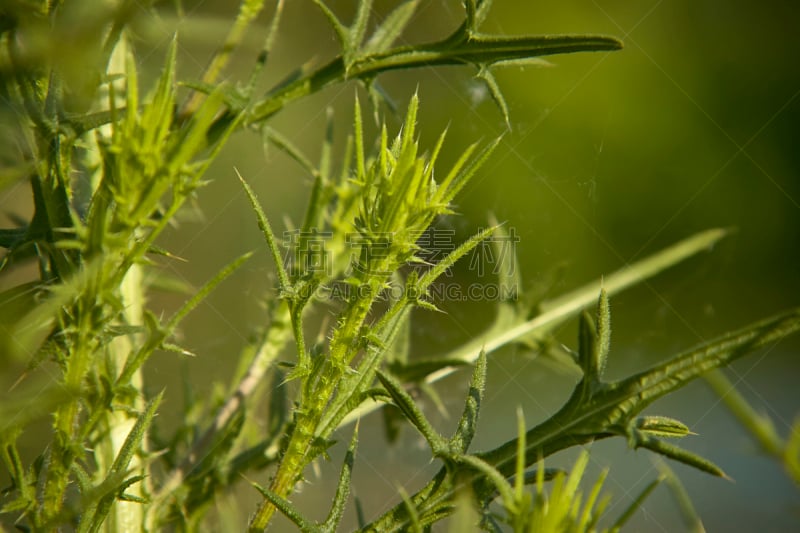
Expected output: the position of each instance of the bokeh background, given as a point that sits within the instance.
(610, 157)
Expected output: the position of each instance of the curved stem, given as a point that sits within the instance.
(455, 50)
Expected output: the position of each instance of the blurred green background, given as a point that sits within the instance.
(610, 157)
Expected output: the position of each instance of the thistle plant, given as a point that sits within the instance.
(111, 165)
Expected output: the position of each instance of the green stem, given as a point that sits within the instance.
(66, 418)
(314, 397)
(455, 50)
(294, 460)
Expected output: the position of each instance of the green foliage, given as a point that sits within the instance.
(109, 170)
(596, 410)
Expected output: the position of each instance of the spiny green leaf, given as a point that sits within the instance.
(19, 503)
(82, 477)
(134, 439)
(469, 418)
(442, 195)
(602, 344)
(170, 347)
(575, 474)
(358, 29)
(410, 124)
(331, 523)
(266, 50)
(269, 236)
(156, 117)
(338, 27)
(679, 454)
(287, 146)
(661, 426)
(233, 97)
(412, 413)
(358, 129)
(289, 510)
(587, 335)
(483, 10)
(594, 342)
(125, 497)
(391, 28)
(488, 49)
(497, 95)
(458, 49)
(158, 250)
(205, 290)
(451, 189)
